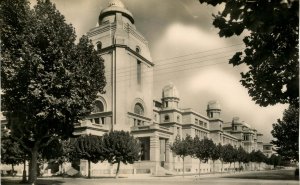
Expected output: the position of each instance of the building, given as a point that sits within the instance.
(128, 104)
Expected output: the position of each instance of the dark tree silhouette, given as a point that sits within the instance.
(90, 148)
(11, 153)
(215, 154)
(182, 148)
(48, 81)
(228, 154)
(203, 149)
(286, 134)
(241, 156)
(271, 52)
(120, 146)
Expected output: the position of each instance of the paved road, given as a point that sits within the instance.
(283, 177)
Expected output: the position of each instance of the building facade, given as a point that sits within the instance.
(128, 104)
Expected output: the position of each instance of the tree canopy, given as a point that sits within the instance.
(11, 152)
(88, 147)
(48, 81)
(183, 147)
(271, 51)
(120, 146)
(286, 134)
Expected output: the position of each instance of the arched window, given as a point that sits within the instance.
(138, 109)
(138, 50)
(98, 106)
(99, 46)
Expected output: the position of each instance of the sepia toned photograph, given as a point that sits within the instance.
(151, 92)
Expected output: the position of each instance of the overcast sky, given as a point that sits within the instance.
(188, 52)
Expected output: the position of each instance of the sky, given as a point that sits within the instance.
(188, 52)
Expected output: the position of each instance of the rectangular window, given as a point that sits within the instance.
(97, 120)
(139, 72)
(196, 121)
(102, 120)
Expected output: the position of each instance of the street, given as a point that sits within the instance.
(276, 177)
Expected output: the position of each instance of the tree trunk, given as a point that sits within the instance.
(234, 166)
(183, 167)
(24, 172)
(199, 166)
(213, 167)
(33, 165)
(221, 167)
(229, 166)
(12, 170)
(89, 169)
(118, 168)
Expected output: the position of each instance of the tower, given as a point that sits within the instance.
(170, 97)
(213, 109)
(215, 121)
(128, 68)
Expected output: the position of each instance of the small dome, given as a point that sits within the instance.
(116, 6)
(117, 3)
(170, 91)
(213, 105)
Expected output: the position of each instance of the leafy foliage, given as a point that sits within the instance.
(49, 82)
(286, 134)
(183, 148)
(120, 146)
(203, 149)
(271, 52)
(228, 153)
(274, 160)
(88, 147)
(11, 152)
(241, 155)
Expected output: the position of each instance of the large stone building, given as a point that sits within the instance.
(128, 104)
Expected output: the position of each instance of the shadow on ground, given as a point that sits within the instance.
(268, 175)
(39, 182)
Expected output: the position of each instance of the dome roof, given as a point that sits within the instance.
(213, 105)
(170, 91)
(117, 3)
(115, 6)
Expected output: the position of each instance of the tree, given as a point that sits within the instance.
(286, 134)
(120, 146)
(259, 157)
(203, 149)
(89, 147)
(49, 82)
(271, 51)
(252, 158)
(11, 153)
(182, 148)
(241, 156)
(220, 150)
(215, 154)
(228, 153)
(58, 152)
(274, 160)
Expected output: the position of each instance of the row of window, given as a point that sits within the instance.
(201, 123)
(98, 121)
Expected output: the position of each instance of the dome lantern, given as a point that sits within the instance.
(114, 7)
